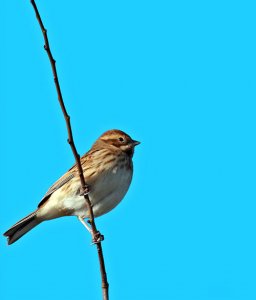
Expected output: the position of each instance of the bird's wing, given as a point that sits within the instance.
(58, 184)
(71, 173)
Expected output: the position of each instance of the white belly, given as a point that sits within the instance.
(106, 192)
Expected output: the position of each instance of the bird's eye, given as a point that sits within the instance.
(121, 139)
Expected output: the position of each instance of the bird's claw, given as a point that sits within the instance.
(85, 191)
(97, 238)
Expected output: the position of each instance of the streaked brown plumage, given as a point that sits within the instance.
(107, 170)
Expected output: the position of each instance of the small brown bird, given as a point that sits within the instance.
(107, 169)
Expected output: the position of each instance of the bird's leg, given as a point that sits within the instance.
(85, 224)
(97, 236)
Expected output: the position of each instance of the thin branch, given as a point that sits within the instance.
(97, 237)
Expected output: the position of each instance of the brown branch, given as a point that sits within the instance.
(96, 236)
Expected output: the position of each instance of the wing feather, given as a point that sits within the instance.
(71, 173)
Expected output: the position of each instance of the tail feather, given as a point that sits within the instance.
(21, 227)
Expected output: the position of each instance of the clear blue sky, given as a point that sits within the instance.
(180, 76)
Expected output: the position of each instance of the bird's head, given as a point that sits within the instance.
(120, 140)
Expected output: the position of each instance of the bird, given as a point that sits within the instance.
(107, 169)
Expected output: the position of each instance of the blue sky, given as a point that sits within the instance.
(180, 77)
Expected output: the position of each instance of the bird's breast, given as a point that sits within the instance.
(109, 189)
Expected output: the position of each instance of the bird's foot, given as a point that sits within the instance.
(97, 238)
(85, 191)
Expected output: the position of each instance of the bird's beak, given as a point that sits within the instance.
(135, 143)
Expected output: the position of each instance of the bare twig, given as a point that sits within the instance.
(97, 237)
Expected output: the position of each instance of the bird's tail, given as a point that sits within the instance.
(21, 227)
